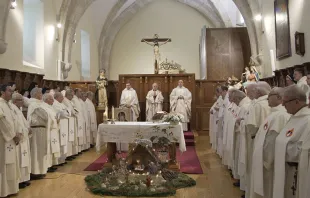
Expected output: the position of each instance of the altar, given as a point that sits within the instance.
(128, 132)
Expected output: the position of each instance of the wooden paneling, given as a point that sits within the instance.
(167, 82)
(228, 52)
(205, 92)
(279, 75)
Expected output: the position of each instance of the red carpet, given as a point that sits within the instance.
(189, 161)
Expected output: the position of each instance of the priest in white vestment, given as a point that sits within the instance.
(256, 117)
(180, 102)
(291, 168)
(214, 117)
(87, 119)
(264, 145)
(62, 114)
(73, 146)
(220, 122)
(48, 101)
(9, 139)
(80, 120)
(129, 99)
(24, 146)
(233, 140)
(93, 117)
(299, 76)
(154, 102)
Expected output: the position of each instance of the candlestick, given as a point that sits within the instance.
(106, 111)
(113, 113)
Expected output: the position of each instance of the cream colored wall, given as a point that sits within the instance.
(167, 18)
(86, 25)
(13, 57)
(299, 21)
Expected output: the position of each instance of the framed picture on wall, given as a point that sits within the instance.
(300, 43)
(282, 29)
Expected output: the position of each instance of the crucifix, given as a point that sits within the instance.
(155, 42)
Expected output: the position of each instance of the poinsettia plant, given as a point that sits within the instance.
(173, 117)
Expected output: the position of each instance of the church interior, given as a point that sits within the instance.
(154, 98)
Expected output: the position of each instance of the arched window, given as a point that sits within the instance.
(33, 33)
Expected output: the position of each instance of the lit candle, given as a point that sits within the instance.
(112, 112)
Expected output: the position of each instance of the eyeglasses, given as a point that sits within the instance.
(285, 102)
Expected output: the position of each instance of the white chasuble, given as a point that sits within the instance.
(129, 99)
(87, 124)
(214, 122)
(256, 117)
(80, 122)
(24, 146)
(288, 149)
(180, 102)
(9, 166)
(263, 152)
(93, 120)
(154, 103)
(222, 109)
(302, 83)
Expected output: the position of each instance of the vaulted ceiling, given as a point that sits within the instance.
(110, 15)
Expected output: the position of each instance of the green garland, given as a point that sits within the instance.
(169, 188)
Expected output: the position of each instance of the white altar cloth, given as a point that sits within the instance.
(128, 132)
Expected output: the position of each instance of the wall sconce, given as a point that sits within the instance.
(13, 4)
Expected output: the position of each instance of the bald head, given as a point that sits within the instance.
(236, 96)
(262, 89)
(294, 98)
(250, 90)
(59, 97)
(155, 86)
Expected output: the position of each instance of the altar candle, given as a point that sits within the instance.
(112, 112)
(106, 111)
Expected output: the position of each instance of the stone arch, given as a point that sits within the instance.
(206, 8)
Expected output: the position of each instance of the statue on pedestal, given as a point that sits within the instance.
(102, 83)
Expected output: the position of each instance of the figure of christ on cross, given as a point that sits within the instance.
(156, 42)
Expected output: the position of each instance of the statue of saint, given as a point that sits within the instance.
(102, 83)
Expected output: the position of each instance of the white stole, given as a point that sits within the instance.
(296, 129)
(71, 129)
(274, 122)
(10, 152)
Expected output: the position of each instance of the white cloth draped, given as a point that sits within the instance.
(9, 166)
(263, 152)
(130, 100)
(93, 120)
(180, 102)
(288, 148)
(154, 103)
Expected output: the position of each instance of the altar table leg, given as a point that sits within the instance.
(111, 151)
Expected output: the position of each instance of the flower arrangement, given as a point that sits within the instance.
(173, 118)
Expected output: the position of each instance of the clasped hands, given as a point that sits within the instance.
(18, 138)
(181, 97)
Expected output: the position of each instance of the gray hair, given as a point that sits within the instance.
(89, 93)
(237, 94)
(295, 92)
(47, 96)
(16, 96)
(278, 90)
(35, 91)
(263, 88)
(57, 94)
(69, 92)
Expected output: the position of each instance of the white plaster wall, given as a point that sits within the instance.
(299, 21)
(13, 57)
(167, 18)
(86, 25)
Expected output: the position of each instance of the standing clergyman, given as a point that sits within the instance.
(129, 99)
(154, 102)
(180, 102)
